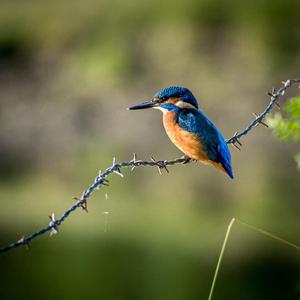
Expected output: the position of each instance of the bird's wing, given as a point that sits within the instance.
(196, 122)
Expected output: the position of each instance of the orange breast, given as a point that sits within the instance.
(186, 141)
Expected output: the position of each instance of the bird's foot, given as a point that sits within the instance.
(186, 158)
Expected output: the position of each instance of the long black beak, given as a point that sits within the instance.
(146, 104)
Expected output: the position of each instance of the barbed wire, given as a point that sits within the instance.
(259, 118)
(101, 179)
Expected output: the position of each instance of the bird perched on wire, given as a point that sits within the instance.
(189, 129)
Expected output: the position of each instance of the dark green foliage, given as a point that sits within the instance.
(287, 128)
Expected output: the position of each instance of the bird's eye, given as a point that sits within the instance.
(156, 100)
(164, 98)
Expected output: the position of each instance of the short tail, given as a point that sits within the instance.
(224, 168)
(228, 171)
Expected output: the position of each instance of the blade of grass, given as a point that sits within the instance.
(257, 229)
(220, 259)
(268, 234)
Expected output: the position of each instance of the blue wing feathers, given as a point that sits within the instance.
(225, 157)
(196, 122)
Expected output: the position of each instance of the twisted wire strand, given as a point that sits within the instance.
(275, 95)
(101, 179)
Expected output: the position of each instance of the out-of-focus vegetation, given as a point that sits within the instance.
(288, 128)
(68, 70)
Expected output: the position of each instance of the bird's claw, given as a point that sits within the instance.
(186, 158)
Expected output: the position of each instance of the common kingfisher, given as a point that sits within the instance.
(189, 128)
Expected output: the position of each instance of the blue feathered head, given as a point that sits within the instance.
(160, 99)
(177, 92)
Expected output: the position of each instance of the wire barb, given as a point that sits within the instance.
(52, 224)
(259, 120)
(161, 164)
(22, 242)
(82, 201)
(133, 161)
(236, 146)
(237, 143)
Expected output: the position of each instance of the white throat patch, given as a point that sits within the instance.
(161, 109)
(182, 104)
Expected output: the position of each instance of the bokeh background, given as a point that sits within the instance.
(68, 70)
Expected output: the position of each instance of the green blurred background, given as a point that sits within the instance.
(68, 70)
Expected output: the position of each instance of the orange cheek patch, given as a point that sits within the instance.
(172, 100)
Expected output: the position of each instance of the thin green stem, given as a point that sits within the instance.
(264, 232)
(270, 235)
(220, 259)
